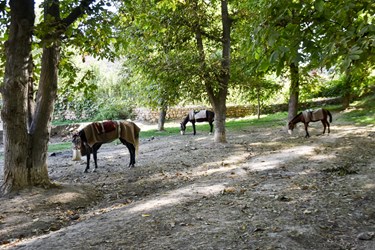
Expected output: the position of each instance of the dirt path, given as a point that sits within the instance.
(263, 189)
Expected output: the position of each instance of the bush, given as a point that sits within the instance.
(114, 110)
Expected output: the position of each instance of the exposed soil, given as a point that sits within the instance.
(264, 189)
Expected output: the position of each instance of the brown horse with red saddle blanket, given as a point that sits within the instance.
(311, 116)
(89, 139)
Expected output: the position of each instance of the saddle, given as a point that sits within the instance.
(194, 115)
(104, 127)
(312, 116)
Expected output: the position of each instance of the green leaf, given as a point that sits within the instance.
(319, 5)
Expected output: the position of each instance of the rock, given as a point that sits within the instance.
(366, 236)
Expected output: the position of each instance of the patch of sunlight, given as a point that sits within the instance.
(202, 139)
(65, 197)
(227, 165)
(177, 196)
(321, 157)
(266, 162)
(370, 186)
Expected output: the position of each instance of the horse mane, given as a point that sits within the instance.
(185, 120)
(298, 115)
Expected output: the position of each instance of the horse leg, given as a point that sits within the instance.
(88, 160)
(95, 154)
(194, 127)
(307, 132)
(131, 149)
(324, 126)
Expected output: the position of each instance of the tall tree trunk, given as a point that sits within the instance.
(27, 121)
(346, 96)
(220, 99)
(218, 96)
(41, 124)
(258, 100)
(162, 116)
(293, 91)
(15, 91)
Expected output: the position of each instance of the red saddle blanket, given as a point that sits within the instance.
(104, 127)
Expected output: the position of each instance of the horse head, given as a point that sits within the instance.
(76, 141)
(183, 128)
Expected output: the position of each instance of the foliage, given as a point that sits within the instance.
(362, 85)
(348, 33)
(114, 110)
(76, 93)
(362, 112)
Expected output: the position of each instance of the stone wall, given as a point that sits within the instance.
(233, 111)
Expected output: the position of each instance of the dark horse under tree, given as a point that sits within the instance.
(311, 116)
(92, 136)
(198, 116)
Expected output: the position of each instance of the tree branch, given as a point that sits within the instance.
(77, 13)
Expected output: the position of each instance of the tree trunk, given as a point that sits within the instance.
(259, 104)
(219, 100)
(218, 95)
(41, 124)
(14, 91)
(293, 91)
(162, 116)
(220, 118)
(346, 96)
(27, 121)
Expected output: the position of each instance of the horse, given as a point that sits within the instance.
(198, 116)
(89, 139)
(311, 116)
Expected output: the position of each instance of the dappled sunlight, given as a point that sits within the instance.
(66, 197)
(270, 161)
(369, 186)
(178, 196)
(227, 165)
(322, 157)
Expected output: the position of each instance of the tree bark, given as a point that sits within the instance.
(293, 91)
(27, 120)
(217, 96)
(258, 100)
(162, 116)
(15, 92)
(346, 96)
(220, 100)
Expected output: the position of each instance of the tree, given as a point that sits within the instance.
(348, 35)
(186, 41)
(281, 35)
(27, 112)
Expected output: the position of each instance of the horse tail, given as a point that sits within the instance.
(136, 135)
(330, 116)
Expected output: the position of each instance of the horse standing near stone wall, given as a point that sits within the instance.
(198, 116)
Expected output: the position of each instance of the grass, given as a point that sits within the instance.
(361, 112)
(56, 147)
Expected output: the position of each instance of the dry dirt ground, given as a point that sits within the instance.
(264, 189)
